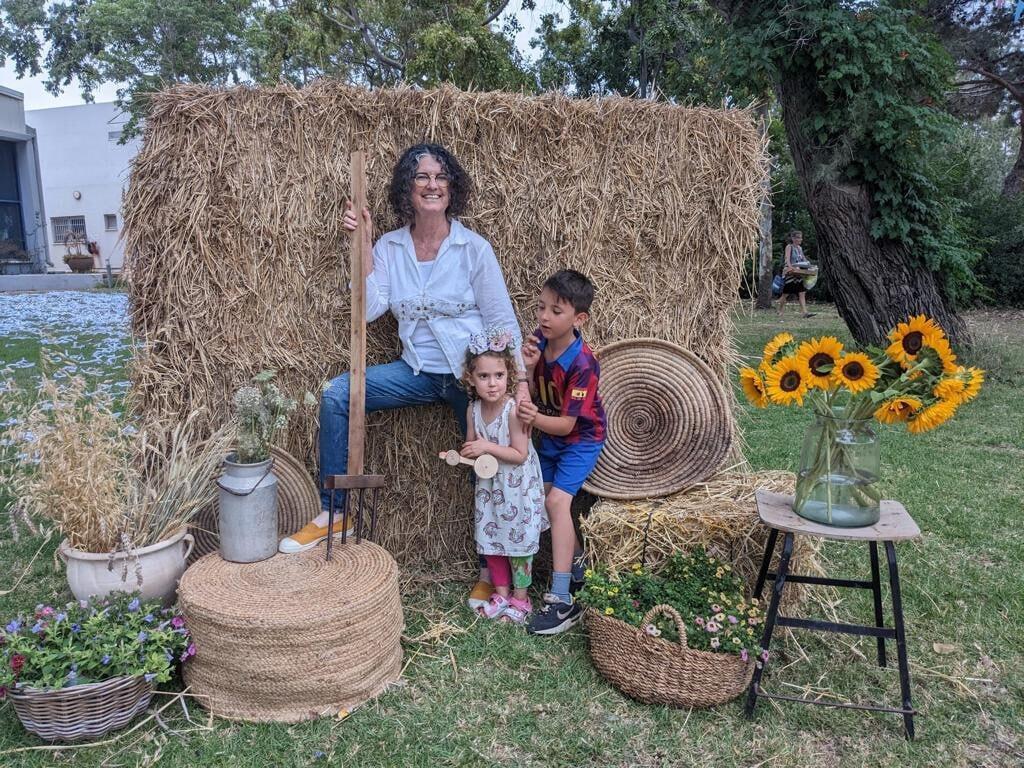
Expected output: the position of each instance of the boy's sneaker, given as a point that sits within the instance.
(555, 617)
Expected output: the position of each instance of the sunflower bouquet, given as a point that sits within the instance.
(915, 381)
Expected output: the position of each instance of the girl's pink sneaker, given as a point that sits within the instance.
(516, 611)
(495, 607)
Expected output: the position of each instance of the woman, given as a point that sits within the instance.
(443, 284)
(792, 274)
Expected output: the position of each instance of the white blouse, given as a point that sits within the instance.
(463, 294)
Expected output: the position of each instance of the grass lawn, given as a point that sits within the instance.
(488, 695)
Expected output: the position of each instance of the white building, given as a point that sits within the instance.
(84, 171)
(23, 241)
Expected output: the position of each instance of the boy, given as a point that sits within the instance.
(563, 375)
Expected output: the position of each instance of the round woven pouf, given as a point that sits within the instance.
(294, 637)
(669, 424)
(298, 502)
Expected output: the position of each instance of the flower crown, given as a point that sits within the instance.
(491, 340)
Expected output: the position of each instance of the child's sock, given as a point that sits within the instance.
(560, 586)
(577, 565)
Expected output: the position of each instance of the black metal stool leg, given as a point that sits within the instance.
(769, 550)
(876, 589)
(901, 640)
(769, 622)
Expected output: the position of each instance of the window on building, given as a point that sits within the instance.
(64, 225)
(12, 233)
(110, 222)
(113, 135)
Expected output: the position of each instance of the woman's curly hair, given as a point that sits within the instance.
(504, 355)
(460, 186)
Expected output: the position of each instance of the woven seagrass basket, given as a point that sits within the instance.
(654, 670)
(82, 711)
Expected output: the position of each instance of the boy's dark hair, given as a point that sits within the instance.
(573, 287)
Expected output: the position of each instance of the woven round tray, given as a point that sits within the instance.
(81, 711)
(294, 637)
(298, 502)
(656, 671)
(669, 424)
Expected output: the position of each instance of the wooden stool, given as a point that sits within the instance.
(776, 512)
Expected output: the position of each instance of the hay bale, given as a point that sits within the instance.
(719, 515)
(237, 260)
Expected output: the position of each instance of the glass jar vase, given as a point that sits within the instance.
(839, 469)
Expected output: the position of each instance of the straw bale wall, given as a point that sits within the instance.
(237, 260)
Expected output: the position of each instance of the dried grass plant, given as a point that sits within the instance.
(237, 260)
(108, 486)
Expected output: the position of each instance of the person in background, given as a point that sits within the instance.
(793, 281)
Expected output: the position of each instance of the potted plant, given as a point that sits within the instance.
(684, 635)
(88, 668)
(73, 256)
(122, 497)
(248, 488)
(915, 381)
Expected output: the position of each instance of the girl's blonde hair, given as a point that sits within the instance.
(504, 355)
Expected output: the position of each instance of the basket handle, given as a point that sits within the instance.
(673, 614)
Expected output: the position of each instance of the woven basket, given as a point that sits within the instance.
(656, 671)
(669, 424)
(294, 637)
(81, 711)
(298, 502)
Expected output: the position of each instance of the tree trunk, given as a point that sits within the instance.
(1013, 184)
(764, 254)
(875, 283)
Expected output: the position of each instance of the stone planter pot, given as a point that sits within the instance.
(99, 574)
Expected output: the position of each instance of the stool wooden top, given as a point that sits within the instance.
(894, 523)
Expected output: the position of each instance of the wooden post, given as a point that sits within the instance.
(357, 347)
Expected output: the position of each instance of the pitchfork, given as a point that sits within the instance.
(355, 480)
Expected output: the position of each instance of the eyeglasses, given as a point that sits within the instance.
(422, 179)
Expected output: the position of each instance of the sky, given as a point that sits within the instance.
(36, 96)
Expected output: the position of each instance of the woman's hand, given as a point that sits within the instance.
(474, 449)
(350, 223)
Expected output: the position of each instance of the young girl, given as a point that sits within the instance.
(510, 506)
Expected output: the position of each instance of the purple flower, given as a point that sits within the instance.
(149, 676)
(744, 655)
(764, 655)
(105, 660)
(699, 621)
(38, 627)
(134, 605)
(733, 620)
(178, 622)
(60, 617)
(148, 618)
(142, 637)
(716, 608)
(712, 626)
(83, 604)
(76, 628)
(73, 675)
(169, 656)
(14, 626)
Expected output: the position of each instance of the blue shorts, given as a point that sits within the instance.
(567, 467)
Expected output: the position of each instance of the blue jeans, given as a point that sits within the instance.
(389, 386)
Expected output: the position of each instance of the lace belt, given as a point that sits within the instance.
(427, 308)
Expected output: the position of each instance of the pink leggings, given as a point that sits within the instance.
(510, 571)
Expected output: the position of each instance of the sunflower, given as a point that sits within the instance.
(788, 381)
(820, 356)
(935, 414)
(898, 409)
(753, 387)
(945, 355)
(950, 388)
(856, 372)
(772, 347)
(974, 384)
(909, 338)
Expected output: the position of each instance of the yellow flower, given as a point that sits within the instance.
(951, 389)
(909, 338)
(974, 385)
(856, 372)
(588, 574)
(946, 356)
(820, 356)
(772, 347)
(750, 631)
(898, 409)
(719, 617)
(609, 611)
(736, 640)
(637, 567)
(931, 417)
(753, 387)
(788, 381)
